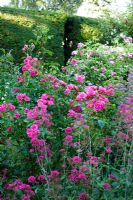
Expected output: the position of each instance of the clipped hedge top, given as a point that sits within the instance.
(17, 26)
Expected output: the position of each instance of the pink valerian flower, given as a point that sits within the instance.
(76, 160)
(40, 158)
(77, 176)
(107, 140)
(123, 136)
(83, 196)
(108, 150)
(111, 176)
(37, 142)
(68, 130)
(19, 185)
(86, 126)
(31, 179)
(74, 62)
(68, 139)
(79, 78)
(106, 186)
(25, 197)
(22, 97)
(41, 178)
(93, 160)
(54, 175)
(9, 129)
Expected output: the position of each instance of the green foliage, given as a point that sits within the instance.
(18, 26)
(89, 32)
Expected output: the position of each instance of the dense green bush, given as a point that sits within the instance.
(18, 26)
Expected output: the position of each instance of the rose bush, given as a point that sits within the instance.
(70, 136)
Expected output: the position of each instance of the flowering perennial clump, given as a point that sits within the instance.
(69, 136)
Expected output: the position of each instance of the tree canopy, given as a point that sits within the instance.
(65, 5)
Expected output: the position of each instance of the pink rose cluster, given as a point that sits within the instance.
(6, 107)
(39, 144)
(69, 88)
(29, 65)
(22, 97)
(54, 81)
(40, 113)
(99, 100)
(40, 116)
(79, 78)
